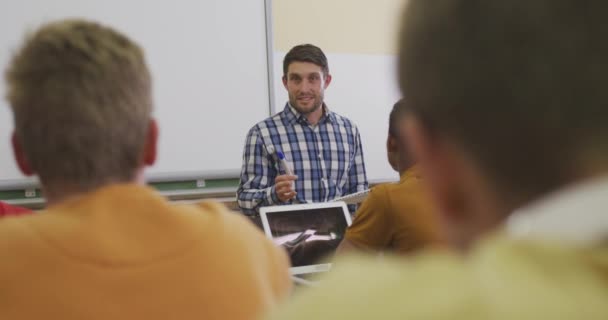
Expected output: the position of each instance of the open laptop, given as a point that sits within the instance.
(309, 232)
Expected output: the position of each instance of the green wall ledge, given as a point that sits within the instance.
(174, 190)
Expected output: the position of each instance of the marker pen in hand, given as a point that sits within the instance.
(284, 164)
(286, 167)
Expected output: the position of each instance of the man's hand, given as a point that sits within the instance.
(284, 187)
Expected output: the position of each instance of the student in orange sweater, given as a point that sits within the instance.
(395, 217)
(108, 247)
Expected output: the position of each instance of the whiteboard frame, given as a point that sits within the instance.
(32, 182)
(270, 55)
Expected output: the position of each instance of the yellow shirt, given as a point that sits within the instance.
(500, 280)
(123, 252)
(554, 267)
(396, 216)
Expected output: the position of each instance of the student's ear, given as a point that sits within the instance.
(392, 152)
(20, 158)
(392, 145)
(327, 81)
(284, 81)
(150, 149)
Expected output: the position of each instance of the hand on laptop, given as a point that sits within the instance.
(284, 187)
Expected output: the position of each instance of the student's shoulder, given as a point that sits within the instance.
(212, 213)
(19, 243)
(373, 207)
(16, 227)
(411, 205)
(385, 187)
(377, 203)
(410, 188)
(382, 193)
(235, 231)
(225, 225)
(392, 288)
(379, 194)
(18, 236)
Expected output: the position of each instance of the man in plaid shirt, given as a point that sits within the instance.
(322, 147)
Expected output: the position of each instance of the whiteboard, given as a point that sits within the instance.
(209, 63)
(364, 89)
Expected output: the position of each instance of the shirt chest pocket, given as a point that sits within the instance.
(340, 159)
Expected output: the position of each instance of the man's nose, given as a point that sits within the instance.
(305, 86)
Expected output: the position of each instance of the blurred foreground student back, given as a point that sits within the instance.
(107, 246)
(507, 103)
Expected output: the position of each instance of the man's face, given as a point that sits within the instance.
(306, 84)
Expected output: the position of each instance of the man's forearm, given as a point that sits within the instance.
(250, 200)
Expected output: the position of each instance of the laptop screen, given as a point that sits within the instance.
(310, 236)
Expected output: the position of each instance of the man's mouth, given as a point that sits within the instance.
(305, 99)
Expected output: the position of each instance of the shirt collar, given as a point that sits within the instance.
(577, 214)
(294, 116)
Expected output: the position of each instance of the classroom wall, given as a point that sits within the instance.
(359, 39)
(338, 26)
(196, 56)
(199, 54)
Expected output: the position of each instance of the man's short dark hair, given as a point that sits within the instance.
(306, 53)
(399, 111)
(520, 85)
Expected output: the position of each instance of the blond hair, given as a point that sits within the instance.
(81, 98)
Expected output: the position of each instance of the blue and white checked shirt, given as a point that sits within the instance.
(327, 158)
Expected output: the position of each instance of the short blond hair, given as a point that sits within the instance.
(81, 98)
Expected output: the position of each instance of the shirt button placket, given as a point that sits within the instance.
(324, 183)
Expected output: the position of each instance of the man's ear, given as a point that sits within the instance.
(150, 149)
(22, 162)
(284, 81)
(327, 81)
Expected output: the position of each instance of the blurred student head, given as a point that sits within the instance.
(81, 97)
(508, 101)
(396, 143)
